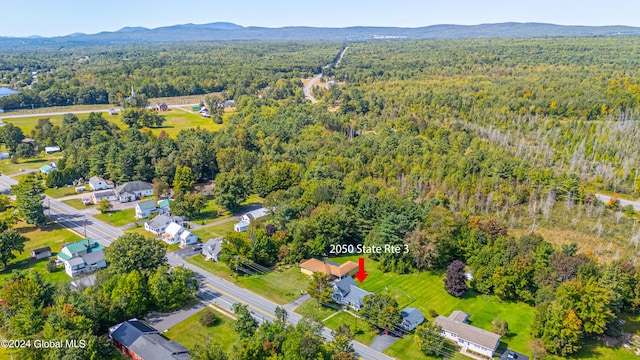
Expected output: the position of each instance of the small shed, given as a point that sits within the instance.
(51, 149)
(41, 253)
(242, 226)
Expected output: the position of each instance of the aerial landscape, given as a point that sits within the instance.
(270, 181)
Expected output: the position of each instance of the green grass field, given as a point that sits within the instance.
(278, 286)
(361, 330)
(311, 310)
(190, 332)
(425, 291)
(206, 233)
(53, 236)
(118, 218)
(176, 120)
(9, 168)
(61, 192)
(77, 204)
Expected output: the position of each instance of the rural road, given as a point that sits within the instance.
(605, 199)
(213, 288)
(307, 88)
(9, 116)
(225, 294)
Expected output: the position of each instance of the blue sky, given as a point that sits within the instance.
(62, 17)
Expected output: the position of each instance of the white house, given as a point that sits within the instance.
(47, 169)
(82, 257)
(212, 248)
(97, 183)
(175, 233)
(158, 224)
(411, 318)
(51, 149)
(468, 337)
(109, 195)
(242, 226)
(145, 208)
(255, 214)
(134, 190)
(4, 155)
(164, 206)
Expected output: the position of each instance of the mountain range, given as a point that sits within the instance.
(229, 31)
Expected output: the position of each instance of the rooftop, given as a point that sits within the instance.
(134, 186)
(146, 205)
(159, 221)
(87, 244)
(468, 332)
(316, 265)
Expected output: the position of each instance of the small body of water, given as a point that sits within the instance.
(5, 91)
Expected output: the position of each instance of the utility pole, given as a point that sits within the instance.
(85, 226)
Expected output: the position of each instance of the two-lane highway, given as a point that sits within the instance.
(225, 294)
(220, 291)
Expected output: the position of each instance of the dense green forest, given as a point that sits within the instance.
(450, 147)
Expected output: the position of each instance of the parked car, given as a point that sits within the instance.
(197, 247)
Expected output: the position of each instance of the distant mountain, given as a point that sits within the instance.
(230, 31)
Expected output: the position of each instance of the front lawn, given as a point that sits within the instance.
(311, 310)
(190, 332)
(119, 217)
(360, 328)
(279, 286)
(60, 192)
(39, 236)
(215, 231)
(77, 204)
(425, 291)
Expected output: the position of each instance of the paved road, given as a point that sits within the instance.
(224, 294)
(106, 110)
(71, 218)
(307, 88)
(605, 199)
(214, 289)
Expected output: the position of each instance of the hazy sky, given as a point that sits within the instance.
(62, 17)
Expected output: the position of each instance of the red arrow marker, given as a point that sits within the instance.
(361, 275)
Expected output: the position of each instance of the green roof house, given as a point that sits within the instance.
(82, 257)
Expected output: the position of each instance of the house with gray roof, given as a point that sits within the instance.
(108, 195)
(411, 318)
(82, 257)
(144, 209)
(138, 340)
(212, 248)
(466, 336)
(346, 292)
(133, 190)
(97, 183)
(158, 224)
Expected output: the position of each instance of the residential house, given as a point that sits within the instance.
(229, 104)
(4, 155)
(333, 270)
(112, 111)
(109, 195)
(411, 318)
(51, 149)
(29, 141)
(145, 208)
(175, 233)
(164, 206)
(140, 341)
(346, 292)
(468, 337)
(134, 190)
(255, 214)
(162, 106)
(82, 257)
(212, 248)
(159, 224)
(97, 183)
(41, 253)
(242, 226)
(47, 169)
